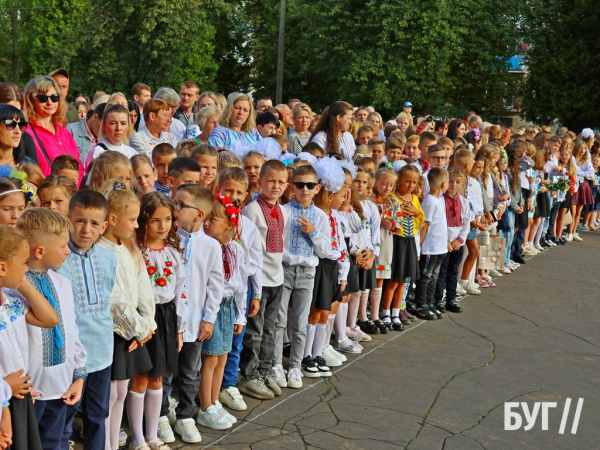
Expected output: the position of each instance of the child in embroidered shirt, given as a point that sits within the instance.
(56, 356)
(91, 270)
(434, 245)
(389, 207)
(55, 192)
(162, 155)
(144, 174)
(366, 273)
(233, 183)
(18, 309)
(409, 220)
(305, 241)
(12, 201)
(259, 338)
(252, 164)
(159, 243)
(132, 304)
(231, 318)
(204, 290)
(457, 217)
(328, 287)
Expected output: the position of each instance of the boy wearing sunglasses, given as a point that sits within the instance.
(306, 239)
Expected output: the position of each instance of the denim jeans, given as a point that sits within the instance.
(52, 418)
(298, 287)
(429, 270)
(517, 244)
(552, 220)
(547, 221)
(448, 277)
(508, 235)
(259, 338)
(232, 366)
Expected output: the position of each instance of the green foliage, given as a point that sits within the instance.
(563, 63)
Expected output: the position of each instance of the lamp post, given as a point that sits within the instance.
(279, 88)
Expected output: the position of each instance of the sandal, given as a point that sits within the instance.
(491, 284)
(482, 283)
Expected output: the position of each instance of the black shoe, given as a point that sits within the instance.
(544, 243)
(324, 370)
(383, 329)
(367, 327)
(310, 368)
(437, 312)
(519, 260)
(397, 326)
(441, 307)
(387, 324)
(561, 241)
(286, 350)
(453, 307)
(411, 308)
(424, 313)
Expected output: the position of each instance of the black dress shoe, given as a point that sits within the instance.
(425, 313)
(367, 327)
(453, 307)
(397, 326)
(519, 260)
(383, 329)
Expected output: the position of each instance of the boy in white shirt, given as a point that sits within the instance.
(56, 356)
(434, 244)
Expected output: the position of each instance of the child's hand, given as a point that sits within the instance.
(134, 345)
(19, 384)
(254, 307)
(179, 341)
(146, 339)
(543, 189)
(237, 329)
(73, 395)
(343, 287)
(455, 244)
(388, 224)
(504, 197)
(34, 395)
(5, 441)
(307, 226)
(408, 209)
(6, 432)
(358, 259)
(450, 249)
(206, 330)
(519, 209)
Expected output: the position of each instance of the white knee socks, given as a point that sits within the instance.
(353, 306)
(362, 309)
(118, 392)
(340, 322)
(152, 405)
(310, 339)
(375, 301)
(320, 336)
(135, 415)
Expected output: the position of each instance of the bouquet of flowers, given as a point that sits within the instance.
(563, 184)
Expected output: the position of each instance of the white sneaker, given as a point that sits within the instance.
(186, 428)
(213, 418)
(165, 432)
(569, 238)
(348, 346)
(468, 288)
(225, 413)
(122, 438)
(338, 355)
(539, 247)
(330, 359)
(279, 375)
(577, 238)
(294, 378)
(495, 273)
(460, 290)
(233, 399)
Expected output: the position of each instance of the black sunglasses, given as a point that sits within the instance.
(43, 98)
(300, 185)
(11, 124)
(180, 205)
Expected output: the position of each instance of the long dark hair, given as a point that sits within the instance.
(150, 202)
(330, 126)
(133, 106)
(453, 128)
(515, 153)
(10, 112)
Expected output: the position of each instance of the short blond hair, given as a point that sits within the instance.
(436, 176)
(39, 223)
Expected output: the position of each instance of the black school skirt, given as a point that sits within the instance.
(162, 348)
(405, 262)
(126, 364)
(352, 285)
(327, 288)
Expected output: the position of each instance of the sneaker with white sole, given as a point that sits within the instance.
(142, 446)
(577, 238)
(225, 413)
(165, 432)
(213, 418)
(324, 370)
(310, 368)
(460, 291)
(122, 438)
(538, 247)
(232, 398)
(330, 359)
(348, 346)
(468, 288)
(294, 378)
(337, 354)
(569, 238)
(278, 374)
(186, 428)
(364, 337)
(495, 273)
(172, 408)
(353, 334)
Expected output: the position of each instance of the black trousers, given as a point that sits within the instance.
(448, 277)
(429, 270)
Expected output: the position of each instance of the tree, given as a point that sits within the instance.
(563, 63)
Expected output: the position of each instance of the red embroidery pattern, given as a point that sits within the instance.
(229, 259)
(275, 225)
(453, 208)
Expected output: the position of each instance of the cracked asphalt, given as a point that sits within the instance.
(443, 384)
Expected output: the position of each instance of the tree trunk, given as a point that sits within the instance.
(15, 44)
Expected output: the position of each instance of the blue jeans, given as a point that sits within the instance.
(448, 277)
(508, 235)
(94, 398)
(230, 376)
(552, 219)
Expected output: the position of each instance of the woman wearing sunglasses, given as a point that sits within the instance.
(46, 117)
(12, 128)
(11, 94)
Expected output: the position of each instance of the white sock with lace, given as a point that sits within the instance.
(362, 308)
(135, 416)
(385, 313)
(375, 302)
(353, 306)
(152, 405)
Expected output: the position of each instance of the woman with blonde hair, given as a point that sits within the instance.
(236, 123)
(207, 119)
(46, 114)
(302, 116)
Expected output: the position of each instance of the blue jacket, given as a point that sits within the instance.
(82, 140)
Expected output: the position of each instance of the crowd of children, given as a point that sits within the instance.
(241, 270)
